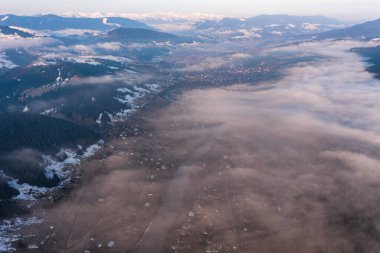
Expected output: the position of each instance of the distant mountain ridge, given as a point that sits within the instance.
(370, 29)
(284, 19)
(267, 26)
(139, 34)
(55, 22)
(268, 20)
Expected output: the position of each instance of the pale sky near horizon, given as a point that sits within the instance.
(343, 9)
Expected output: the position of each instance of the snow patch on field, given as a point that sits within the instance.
(130, 97)
(83, 59)
(153, 87)
(5, 63)
(99, 119)
(308, 26)
(8, 231)
(91, 150)
(248, 34)
(26, 191)
(105, 21)
(277, 33)
(63, 169)
(50, 111)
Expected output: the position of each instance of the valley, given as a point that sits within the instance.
(256, 135)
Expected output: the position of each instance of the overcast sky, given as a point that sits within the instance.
(343, 9)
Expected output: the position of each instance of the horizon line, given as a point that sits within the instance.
(170, 15)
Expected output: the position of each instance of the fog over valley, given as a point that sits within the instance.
(195, 133)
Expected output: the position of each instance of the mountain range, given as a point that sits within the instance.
(55, 23)
(92, 80)
(266, 26)
(259, 27)
(370, 29)
(267, 21)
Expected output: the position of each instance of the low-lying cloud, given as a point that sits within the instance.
(25, 43)
(296, 162)
(286, 166)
